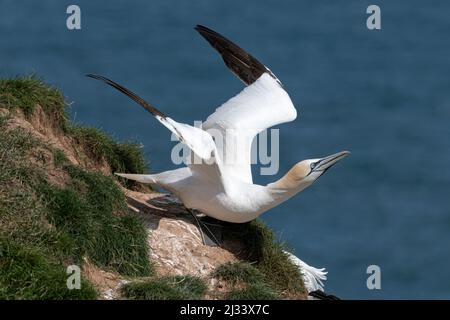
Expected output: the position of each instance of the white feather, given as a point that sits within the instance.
(261, 105)
(312, 277)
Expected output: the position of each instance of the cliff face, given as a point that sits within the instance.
(175, 243)
(131, 241)
(174, 239)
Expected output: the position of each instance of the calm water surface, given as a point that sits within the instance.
(384, 95)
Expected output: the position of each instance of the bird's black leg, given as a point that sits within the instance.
(208, 237)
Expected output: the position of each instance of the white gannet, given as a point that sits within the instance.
(220, 185)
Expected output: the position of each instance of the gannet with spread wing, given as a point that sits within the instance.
(220, 185)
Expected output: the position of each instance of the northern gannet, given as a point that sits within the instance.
(220, 185)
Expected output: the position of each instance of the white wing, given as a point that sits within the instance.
(234, 125)
(199, 141)
(261, 105)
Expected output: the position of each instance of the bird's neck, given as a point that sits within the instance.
(285, 188)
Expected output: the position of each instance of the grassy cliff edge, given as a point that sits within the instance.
(60, 205)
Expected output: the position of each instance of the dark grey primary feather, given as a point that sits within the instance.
(130, 94)
(241, 63)
(319, 294)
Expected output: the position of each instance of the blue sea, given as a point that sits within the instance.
(382, 94)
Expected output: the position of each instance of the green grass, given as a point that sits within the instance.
(26, 92)
(166, 288)
(87, 212)
(48, 227)
(21, 213)
(248, 282)
(262, 249)
(238, 272)
(121, 157)
(28, 274)
(256, 291)
(59, 158)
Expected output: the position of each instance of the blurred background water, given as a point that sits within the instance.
(384, 95)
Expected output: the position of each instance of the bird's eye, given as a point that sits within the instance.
(313, 165)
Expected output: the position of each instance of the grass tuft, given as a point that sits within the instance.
(121, 157)
(59, 158)
(238, 272)
(27, 92)
(166, 288)
(268, 256)
(248, 282)
(256, 291)
(28, 274)
(48, 227)
(86, 211)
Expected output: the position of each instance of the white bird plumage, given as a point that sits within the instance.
(220, 185)
(245, 115)
(312, 277)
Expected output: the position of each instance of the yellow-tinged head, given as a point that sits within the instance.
(305, 172)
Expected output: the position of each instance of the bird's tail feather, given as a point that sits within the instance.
(143, 178)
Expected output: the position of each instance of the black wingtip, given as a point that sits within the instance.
(201, 28)
(209, 34)
(240, 62)
(319, 294)
(94, 76)
(129, 93)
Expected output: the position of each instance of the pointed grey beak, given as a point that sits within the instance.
(327, 162)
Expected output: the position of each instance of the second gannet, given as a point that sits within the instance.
(220, 185)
